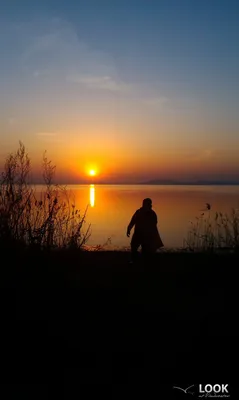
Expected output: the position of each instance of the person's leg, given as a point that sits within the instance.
(147, 253)
(134, 253)
(134, 248)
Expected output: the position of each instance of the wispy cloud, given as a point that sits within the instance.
(50, 137)
(46, 134)
(156, 101)
(207, 153)
(100, 82)
(55, 49)
(40, 73)
(12, 121)
(202, 155)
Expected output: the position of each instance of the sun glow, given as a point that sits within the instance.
(92, 172)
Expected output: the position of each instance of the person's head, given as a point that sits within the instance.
(147, 203)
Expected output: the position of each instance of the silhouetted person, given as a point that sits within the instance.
(146, 232)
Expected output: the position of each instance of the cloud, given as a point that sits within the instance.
(38, 74)
(156, 101)
(12, 121)
(207, 153)
(51, 51)
(50, 137)
(60, 68)
(202, 155)
(100, 82)
(56, 50)
(46, 134)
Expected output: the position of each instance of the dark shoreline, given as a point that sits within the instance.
(91, 318)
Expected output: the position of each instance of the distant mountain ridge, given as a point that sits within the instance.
(150, 182)
(196, 182)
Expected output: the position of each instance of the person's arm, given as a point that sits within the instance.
(155, 218)
(131, 224)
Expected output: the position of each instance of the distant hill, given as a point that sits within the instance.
(150, 182)
(198, 182)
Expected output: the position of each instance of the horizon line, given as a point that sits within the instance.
(190, 183)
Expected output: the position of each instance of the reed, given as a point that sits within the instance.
(48, 219)
(213, 231)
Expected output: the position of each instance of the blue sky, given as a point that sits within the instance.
(149, 79)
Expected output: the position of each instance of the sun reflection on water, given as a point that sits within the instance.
(92, 195)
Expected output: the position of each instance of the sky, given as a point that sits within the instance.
(136, 90)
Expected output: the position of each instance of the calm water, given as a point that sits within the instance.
(111, 207)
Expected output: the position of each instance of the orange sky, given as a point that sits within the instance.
(129, 111)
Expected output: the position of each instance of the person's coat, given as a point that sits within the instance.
(146, 232)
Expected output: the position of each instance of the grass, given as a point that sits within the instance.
(213, 231)
(29, 219)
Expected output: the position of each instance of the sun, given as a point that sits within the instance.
(92, 172)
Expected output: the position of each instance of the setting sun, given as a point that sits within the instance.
(92, 172)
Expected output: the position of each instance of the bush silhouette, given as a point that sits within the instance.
(29, 218)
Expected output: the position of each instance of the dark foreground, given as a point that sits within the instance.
(73, 321)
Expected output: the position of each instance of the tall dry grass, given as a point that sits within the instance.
(48, 219)
(214, 231)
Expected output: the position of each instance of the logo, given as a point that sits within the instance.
(187, 391)
(205, 391)
(216, 390)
